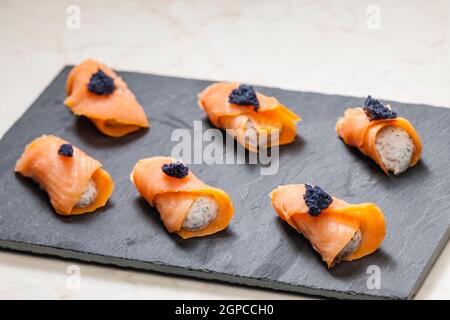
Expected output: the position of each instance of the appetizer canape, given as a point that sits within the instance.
(255, 120)
(74, 181)
(97, 92)
(336, 229)
(378, 132)
(187, 206)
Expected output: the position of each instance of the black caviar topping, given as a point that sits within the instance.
(175, 169)
(101, 83)
(66, 150)
(376, 111)
(244, 95)
(316, 199)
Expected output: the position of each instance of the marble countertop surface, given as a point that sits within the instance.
(392, 50)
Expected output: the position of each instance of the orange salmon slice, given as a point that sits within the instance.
(334, 227)
(356, 129)
(174, 196)
(64, 178)
(271, 116)
(116, 114)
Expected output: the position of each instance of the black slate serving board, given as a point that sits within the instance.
(257, 249)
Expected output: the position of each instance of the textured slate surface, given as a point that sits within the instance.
(257, 249)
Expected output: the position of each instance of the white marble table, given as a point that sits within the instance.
(393, 50)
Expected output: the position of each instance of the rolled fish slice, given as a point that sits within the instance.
(271, 117)
(174, 197)
(335, 227)
(65, 178)
(115, 114)
(357, 130)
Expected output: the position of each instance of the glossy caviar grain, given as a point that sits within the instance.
(376, 111)
(175, 169)
(244, 95)
(316, 199)
(66, 150)
(101, 83)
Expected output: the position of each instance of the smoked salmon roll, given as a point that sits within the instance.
(255, 120)
(75, 182)
(336, 229)
(187, 206)
(378, 132)
(97, 92)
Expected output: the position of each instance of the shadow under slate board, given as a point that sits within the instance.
(257, 249)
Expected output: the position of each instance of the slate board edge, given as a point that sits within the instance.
(180, 271)
(435, 255)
